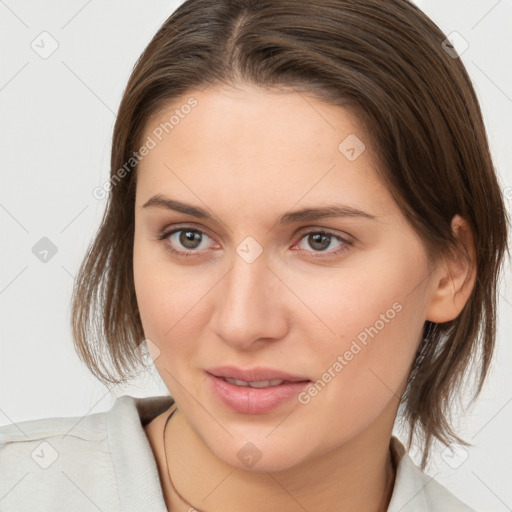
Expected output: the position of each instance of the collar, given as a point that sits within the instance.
(134, 464)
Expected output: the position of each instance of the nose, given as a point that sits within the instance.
(250, 307)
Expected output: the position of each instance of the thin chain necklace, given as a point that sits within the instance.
(192, 508)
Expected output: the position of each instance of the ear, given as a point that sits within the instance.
(455, 277)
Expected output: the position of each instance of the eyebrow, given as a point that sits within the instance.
(306, 214)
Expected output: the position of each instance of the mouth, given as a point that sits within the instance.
(256, 390)
(255, 384)
(256, 374)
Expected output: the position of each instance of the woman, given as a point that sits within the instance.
(300, 232)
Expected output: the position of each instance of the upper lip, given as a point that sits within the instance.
(255, 374)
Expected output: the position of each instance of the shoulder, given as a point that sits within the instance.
(416, 491)
(74, 462)
(51, 460)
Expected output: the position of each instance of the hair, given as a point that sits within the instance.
(383, 60)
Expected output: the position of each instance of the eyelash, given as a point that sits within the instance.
(166, 234)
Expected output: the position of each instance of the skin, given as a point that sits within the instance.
(248, 156)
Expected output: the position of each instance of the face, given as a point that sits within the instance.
(327, 304)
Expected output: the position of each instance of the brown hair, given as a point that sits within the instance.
(384, 59)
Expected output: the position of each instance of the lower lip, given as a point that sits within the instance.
(247, 400)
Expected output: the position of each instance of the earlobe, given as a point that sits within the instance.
(455, 277)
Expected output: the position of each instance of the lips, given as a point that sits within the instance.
(256, 390)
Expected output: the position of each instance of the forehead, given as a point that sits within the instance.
(253, 116)
(249, 142)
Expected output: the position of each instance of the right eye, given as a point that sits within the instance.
(184, 241)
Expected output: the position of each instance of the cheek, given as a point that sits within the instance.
(362, 370)
(370, 375)
(155, 291)
(167, 312)
(170, 300)
(166, 306)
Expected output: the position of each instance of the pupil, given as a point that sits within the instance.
(189, 238)
(322, 240)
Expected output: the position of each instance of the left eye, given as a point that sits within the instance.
(320, 241)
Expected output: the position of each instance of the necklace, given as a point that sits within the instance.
(192, 508)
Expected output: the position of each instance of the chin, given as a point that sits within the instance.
(259, 453)
(251, 458)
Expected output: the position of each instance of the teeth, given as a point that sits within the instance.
(255, 384)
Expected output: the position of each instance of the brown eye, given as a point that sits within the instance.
(185, 241)
(323, 242)
(190, 239)
(319, 241)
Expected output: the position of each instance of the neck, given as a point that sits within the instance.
(359, 475)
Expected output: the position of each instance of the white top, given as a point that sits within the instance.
(104, 462)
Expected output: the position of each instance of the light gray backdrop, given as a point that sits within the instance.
(64, 66)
